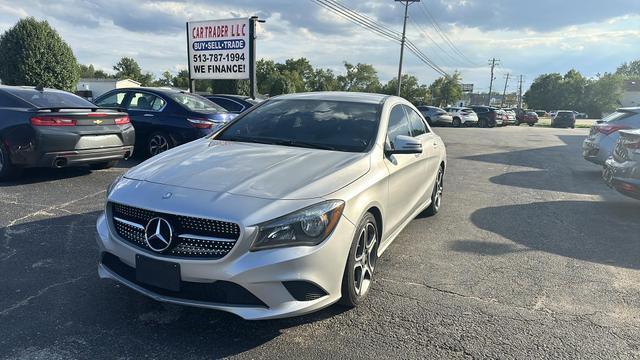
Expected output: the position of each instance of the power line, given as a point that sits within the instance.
(424, 33)
(372, 25)
(443, 35)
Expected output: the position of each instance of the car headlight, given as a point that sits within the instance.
(113, 184)
(307, 227)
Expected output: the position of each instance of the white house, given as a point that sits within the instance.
(92, 88)
(631, 94)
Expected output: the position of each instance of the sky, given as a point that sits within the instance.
(528, 37)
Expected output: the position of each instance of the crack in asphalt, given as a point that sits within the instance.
(40, 292)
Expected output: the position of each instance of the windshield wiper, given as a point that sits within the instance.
(248, 139)
(305, 144)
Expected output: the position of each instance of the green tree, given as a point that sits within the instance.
(411, 89)
(602, 95)
(88, 72)
(165, 80)
(360, 77)
(128, 68)
(572, 90)
(446, 90)
(629, 70)
(323, 80)
(32, 53)
(545, 92)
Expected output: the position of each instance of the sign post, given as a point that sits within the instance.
(221, 49)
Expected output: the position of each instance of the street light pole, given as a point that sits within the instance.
(404, 31)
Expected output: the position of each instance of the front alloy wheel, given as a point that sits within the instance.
(436, 195)
(363, 255)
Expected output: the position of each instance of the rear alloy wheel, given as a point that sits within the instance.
(436, 195)
(457, 122)
(103, 165)
(531, 124)
(484, 123)
(8, 171)
(158, 143)
(363, 256)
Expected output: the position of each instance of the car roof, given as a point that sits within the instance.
(369, 98)
(162, 90)
(11, 89)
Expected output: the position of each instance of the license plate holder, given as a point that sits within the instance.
(158, 273)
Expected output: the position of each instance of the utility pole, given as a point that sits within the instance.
(520, 93)
(493, 62)
(404, 31)
(504, 92)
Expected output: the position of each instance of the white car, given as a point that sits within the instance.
(462, 116)
(282, 212)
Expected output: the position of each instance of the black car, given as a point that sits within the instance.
(42, 127)
(165, 118)
(564, 119)
(235, 104)
(488, 116)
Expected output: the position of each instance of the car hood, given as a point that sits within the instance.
(258, 170)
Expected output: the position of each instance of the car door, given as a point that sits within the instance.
(430, 157)
(145, 111)
(406, 172)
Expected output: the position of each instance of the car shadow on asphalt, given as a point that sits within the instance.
(598, 232)
(53, 299)
(42, 175)
(561, 168)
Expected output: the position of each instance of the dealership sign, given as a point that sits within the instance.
(219, 49)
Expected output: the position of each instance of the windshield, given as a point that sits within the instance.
(51, 98)
(330, 125)
(197, 103)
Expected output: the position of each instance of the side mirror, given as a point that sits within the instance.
(404, 144)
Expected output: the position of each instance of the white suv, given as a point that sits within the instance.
(462, 116)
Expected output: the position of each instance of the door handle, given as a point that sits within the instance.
(149, 115)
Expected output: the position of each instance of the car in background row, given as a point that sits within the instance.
(462, 116)
(436, 116)
(599, 145)
(234, 104)
(488, 116)
(622, 170)
(164, 117)
(529, 117)
(541, 113)
(580, 115)
(42, 127)
(564, 119)
(511, 117)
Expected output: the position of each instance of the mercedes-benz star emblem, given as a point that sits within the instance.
(158, 234)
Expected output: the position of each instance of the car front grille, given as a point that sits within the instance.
(193, 237)
(620, 153)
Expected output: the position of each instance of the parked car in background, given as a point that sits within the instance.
(622, 169)
(564, 119)
(541, 113)
(53, 128)
(528, 117)
(436, 116)
(580, 115)
(164, 117)
(283, 212)
(552, 114)
(599, 145)
(462, 116)
(234, 104)
(488, 116)
(511, 117)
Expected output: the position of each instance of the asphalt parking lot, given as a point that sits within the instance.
(531, 256)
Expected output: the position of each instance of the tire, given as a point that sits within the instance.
(363, 255)
(456, 122)
(103, 165)
(436, 194)
(8, 171)
(157, 143)
(530, 124)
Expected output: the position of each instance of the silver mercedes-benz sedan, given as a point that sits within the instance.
(282, 212)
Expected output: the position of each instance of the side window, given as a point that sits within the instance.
(398, 124)
(114, 100)
(146, 102)
(418, 126)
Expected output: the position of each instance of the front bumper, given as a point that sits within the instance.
(623, 177)
(262, 273)
(591, 152)
(469, 119)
